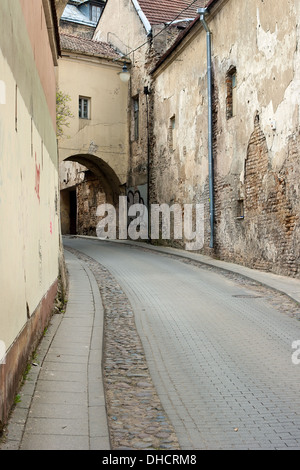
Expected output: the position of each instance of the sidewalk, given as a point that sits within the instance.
(62, 405)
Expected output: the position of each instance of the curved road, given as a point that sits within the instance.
(219, 355)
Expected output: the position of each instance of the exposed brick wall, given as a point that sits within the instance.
(230, 243)
(270, 204)
(256, 187)
(268, 237)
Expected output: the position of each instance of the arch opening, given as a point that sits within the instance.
(86, 181)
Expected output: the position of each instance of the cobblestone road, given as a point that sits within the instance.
(218, 348)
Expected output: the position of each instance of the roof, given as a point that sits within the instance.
(165, 11)
(182, 36)
(87, 46)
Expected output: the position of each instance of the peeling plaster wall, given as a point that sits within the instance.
(256, 152)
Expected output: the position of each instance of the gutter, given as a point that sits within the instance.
(73, 20)
(143, 17)
(180, 21)
(202, 12)
(52, 28)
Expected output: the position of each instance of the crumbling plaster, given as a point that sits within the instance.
(262, 44)
(265, 84)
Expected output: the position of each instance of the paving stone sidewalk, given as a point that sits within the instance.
(61, 405)
(136, 418)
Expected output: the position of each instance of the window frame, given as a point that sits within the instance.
(136, 117)
(172, 133)
(96, 8)
(81, 110)
(240, 209)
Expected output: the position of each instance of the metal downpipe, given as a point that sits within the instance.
(202, 12)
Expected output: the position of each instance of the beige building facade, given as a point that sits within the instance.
(94, 150)
(255, 140)
(29, 200)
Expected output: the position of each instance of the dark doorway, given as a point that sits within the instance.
(73, 212)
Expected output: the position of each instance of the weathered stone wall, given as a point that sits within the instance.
(81, 30)
(90, 195)
(255, 135)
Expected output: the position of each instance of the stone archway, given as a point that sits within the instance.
(86, 181)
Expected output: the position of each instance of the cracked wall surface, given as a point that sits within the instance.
(256, 151)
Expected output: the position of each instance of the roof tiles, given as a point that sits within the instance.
(87, 46)
(165, 11)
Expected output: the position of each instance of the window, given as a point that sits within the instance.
(240, 209)
(172, 133)
(95, 13)
(136, 113)
(231, 83)
(84, 107)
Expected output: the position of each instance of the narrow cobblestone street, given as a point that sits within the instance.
(218, 348)
(150, 236)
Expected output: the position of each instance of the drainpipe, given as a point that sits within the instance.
(147, 93)
(202, 12)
